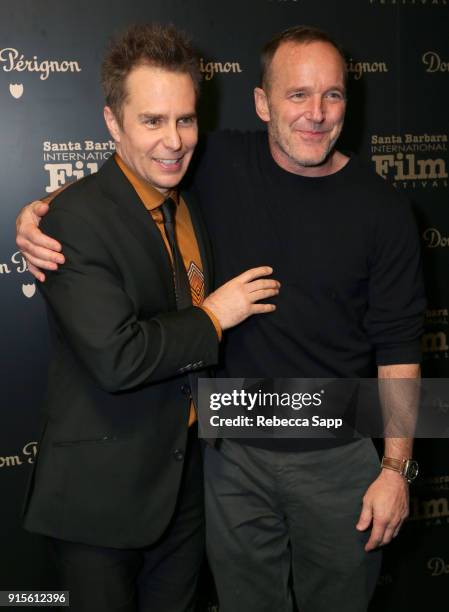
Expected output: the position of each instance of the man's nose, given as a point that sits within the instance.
(172, 139)
(315, 109)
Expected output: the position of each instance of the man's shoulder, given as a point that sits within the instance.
(376, 191)
(75, 192)
(83, 196)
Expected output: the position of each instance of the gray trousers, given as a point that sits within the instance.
(280, 526)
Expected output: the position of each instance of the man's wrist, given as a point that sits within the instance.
(406, 467)
(214, 320)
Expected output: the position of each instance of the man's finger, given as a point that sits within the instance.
(40, 276)
(377, 534)
(44, 264)
(253, 273)
(43, 253)
(262, 294)
(263, 283)
(30, 236)
(375, 538)
(366, 516)
(35, 239)
(388, 535)
(262, 308)
(39, 208)
(32, 213)
(372, 544)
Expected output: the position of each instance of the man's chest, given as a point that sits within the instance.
(313, 241)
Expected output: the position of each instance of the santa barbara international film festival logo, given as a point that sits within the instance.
(411, 161)
(429, 506)
(17, 265)
(25, 456)
(14, 63)
(72, 160)
(435, 339)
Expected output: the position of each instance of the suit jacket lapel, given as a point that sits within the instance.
(140, 222)
(137, 219)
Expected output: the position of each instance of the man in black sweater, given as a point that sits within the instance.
(290, 519)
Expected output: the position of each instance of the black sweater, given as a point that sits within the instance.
(344, 247)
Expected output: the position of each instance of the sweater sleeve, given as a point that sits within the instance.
(394, 320)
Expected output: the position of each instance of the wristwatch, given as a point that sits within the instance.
(408, 468)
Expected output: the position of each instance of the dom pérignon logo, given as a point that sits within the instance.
(16, 90)
(357, 69)
(434, 62)
(210, 69)
(438, 566)
(29, 290)
(23, 457)
(17, 265)
(434, 239)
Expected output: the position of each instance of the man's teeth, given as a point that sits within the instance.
(169, 162)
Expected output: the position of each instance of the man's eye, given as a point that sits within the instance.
(298, 95)
(335, 95)
(152, 122)
(187, 121)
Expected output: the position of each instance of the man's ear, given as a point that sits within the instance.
(112, 123)
(261, 102)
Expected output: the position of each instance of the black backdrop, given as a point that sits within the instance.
(52, 129)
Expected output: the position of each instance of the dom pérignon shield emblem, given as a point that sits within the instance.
(16, 90)
(29, 290)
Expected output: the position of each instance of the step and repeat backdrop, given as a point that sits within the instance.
(52, 131)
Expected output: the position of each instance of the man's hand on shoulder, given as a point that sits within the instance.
(40, 251)
(385, 506)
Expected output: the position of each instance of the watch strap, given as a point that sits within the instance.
(408, 468)
(398, 465)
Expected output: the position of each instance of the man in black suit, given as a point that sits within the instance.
(117, 486)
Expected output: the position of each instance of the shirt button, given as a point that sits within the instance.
(178, 454)
(186, 390)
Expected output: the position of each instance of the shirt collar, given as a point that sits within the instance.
(150, 196)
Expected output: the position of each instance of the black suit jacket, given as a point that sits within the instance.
(116, 413)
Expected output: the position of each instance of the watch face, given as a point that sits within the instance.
(411, 471)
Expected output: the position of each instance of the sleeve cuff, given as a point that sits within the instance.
(215, 322)
(399, 354)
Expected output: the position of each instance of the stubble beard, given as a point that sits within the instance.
(304, 162)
